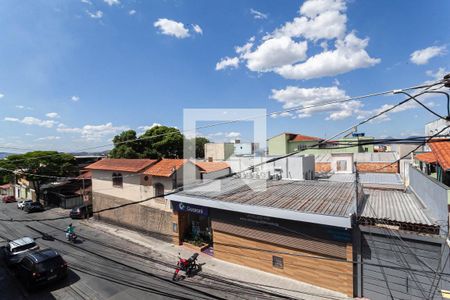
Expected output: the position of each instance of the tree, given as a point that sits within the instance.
(162, 142)
(123, 148)
(157, 142)
(40, 167)
(200, 146)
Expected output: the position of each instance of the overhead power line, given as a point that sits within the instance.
(296, 108)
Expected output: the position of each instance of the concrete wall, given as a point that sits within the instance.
(140, 217)
(433, 194)
(277, 145)
(216, 174)
(218, 151)
(294, 167)
(134, 186)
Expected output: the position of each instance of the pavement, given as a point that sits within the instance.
(114, 263)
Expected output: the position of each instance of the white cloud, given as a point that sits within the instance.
(284, 51)
(197, 28)
(422, 56)
(257, 14)
(327, 24)
(52, 115)
(144, 128)
(75, 98)
(93, 132)
(32, 121)
(2, 95)
(48, 138)
(173, 28)
(438, 74)
(233, 134)
(308, 100)
(227, 62)
(86, 2)
(349, 55)
(112, 2)
(275, 52)
(23, 107)
(28, 134)
(282, 115)
(95, 15)
(132, 12)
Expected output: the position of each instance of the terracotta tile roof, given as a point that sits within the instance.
(85, 175)
(208, 167)
(121, 164)
(442, 152)
(427, 157)
(165, 167)
(304, 138)
(5, 186)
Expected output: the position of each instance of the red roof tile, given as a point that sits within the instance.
(442, 152)
(427, 157)
(165, 167)
(5, 186)
(304, 138)
(121, 164)
(85, 175)
(208, 167)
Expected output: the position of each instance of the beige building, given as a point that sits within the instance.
(117, 182)
(218, 151)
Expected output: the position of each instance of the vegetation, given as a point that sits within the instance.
(157, 142)
(43, 163)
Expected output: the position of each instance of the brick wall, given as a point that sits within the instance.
(149, 220)
(323, 167)
(375, 167)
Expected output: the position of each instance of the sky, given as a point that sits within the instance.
(73, 73)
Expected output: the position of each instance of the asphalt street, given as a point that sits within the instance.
(103, 266)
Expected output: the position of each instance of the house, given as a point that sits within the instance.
(366, 162)
(6, 190)
(118, 182)
(212, 170)
(24, 189)
(437, 162)
(285, 143)
(294, 228)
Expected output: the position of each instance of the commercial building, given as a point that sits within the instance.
(297, 229)
(218, 151)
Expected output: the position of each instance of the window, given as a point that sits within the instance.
(159, 189)
(117, 180)
(341, 165)
(277, 262)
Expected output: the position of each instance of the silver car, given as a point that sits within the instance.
(15, 250)
(21, 204)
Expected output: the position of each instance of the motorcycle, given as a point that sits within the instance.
(189, 266)
(72, 237)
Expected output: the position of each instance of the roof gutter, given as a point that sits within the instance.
(343, 222)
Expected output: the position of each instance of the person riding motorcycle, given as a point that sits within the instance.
(70, 230)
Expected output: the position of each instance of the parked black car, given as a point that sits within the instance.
(81, 212)
(41, 267)
(33, 206)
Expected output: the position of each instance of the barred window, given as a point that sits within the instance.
(277, 262)
(117, 180)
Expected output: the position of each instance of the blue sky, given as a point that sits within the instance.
(74, 73)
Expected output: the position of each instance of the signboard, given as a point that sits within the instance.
(191, 208)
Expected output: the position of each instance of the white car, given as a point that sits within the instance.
(15, 250)
(21, 204)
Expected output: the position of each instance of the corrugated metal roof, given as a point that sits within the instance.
(369, 178)
(397, 206)
(317, 197)
(364, 157)
(376, 157)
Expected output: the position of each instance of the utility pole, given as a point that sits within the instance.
(357, 255)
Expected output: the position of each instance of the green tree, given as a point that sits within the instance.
(200, 146)
(40, 167)
(126, 146)
(162, 142)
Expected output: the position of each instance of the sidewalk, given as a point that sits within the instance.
(242, 275)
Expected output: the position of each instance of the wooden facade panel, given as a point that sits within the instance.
(327, 273)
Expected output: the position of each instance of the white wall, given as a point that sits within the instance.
(348, 157)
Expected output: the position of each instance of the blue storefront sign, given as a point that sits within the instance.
(191, 208)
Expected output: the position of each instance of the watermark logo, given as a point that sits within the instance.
(241, 160)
